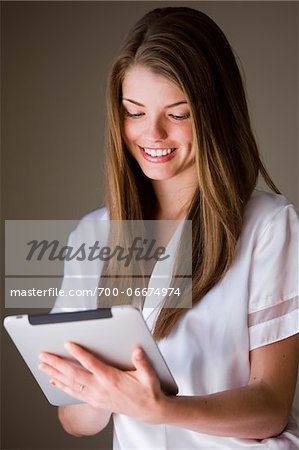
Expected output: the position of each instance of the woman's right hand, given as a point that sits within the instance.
(84, 419)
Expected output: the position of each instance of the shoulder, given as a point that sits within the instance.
(96, 214)
(265, 208)
(266, 204)
(92, 226)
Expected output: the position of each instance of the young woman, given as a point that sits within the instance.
(180, 147)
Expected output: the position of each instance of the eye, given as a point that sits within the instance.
(179, 117)
(134, 116)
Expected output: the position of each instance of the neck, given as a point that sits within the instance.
(174, 198)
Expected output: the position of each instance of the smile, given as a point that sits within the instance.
(157, 153)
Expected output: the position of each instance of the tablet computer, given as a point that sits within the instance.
(109, 333)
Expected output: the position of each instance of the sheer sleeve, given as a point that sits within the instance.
(273, 312)
(79, 288)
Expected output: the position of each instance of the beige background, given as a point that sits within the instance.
(55, 58)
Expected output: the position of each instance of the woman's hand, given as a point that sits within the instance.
(136, 393)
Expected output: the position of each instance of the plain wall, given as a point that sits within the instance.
(55, 58)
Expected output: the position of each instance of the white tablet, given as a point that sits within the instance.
(110, 333)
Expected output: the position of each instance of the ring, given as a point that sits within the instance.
(81, 387)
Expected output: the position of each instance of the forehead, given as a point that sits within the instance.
(141, 83)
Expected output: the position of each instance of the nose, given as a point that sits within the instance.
(155, 130)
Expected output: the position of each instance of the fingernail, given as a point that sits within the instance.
(68, 346)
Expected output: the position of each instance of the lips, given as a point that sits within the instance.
(157, 154)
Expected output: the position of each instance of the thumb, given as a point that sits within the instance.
(143, 366)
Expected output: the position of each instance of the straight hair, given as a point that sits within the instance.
(189, 49)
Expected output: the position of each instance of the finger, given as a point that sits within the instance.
(79, 379)
(87, 359)
(143, 366)
(82, 393)
(53, 360)
(78, 393)
(62, 369)
(50, 370)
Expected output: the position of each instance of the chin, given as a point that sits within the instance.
(157, 175)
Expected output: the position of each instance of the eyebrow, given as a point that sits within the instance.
(183, 102)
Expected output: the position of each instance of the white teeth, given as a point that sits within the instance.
(158, 152)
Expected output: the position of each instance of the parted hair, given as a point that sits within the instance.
(190, 50)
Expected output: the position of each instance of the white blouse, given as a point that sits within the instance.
(255, 304)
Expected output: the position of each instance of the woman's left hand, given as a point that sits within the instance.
(136, 393)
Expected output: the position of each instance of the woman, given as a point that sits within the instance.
(180, 146)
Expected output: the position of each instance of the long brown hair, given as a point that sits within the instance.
(188, 48)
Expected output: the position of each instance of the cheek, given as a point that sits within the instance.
(184, 134)
(130, 131)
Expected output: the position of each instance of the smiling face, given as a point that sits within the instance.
(157, 126)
